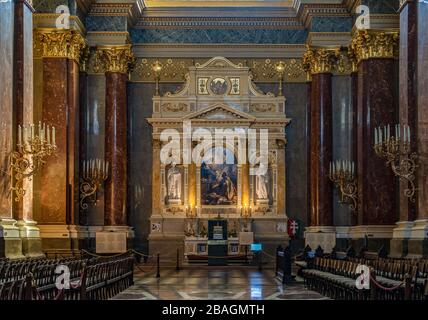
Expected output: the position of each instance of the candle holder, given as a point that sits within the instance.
(280, 68)
(95, 172)
(34, 145)
(396, 150)
(157, 69)
(191, 212)
(342, 174)
(246, 211)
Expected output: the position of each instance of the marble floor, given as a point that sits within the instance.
(215, 283)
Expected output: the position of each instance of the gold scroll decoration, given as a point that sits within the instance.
(53, 43)
(320, 60)
(117, 59)
(369, 44)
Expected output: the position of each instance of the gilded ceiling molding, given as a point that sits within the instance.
(117, 59)
(369, 44)
(55, 43)
(320, 60)
(174, 70)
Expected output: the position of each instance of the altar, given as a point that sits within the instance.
(218, 114)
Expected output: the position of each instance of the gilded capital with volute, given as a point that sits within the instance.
(320, 60)
(117, 59)
(55, 43)
(369, 44)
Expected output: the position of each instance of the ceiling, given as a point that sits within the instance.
(217, 3)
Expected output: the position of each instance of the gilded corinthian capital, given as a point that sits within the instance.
(54, 43)
(320, 60)
(368, 44)
(118, 59)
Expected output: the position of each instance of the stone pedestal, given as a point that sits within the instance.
(10, 242)
(31, 241)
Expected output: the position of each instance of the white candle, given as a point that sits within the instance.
(408, 133)
(107, 168)
(48, 134)
(19, 135)
(53, 136)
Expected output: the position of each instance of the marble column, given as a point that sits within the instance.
(377, 106)
(60, 52)
(407, 115)
(320, 62)
(418, 244)
(10, 241)
(116, 61)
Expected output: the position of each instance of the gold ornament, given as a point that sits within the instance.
(369, 44)
(320, 60)
(49, 43)
(117, 59)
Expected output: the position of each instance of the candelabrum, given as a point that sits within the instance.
(342, 174)
(191, 211)
(246, 211)
(396, 150)
(157, 68)
(35, 144)
(95, 172)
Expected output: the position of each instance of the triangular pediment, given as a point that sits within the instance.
(219, 112)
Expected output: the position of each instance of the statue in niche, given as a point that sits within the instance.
(262, 183)
(174, 183)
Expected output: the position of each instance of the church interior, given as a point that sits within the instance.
(214, 149)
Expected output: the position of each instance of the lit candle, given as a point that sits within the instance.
(53, 136)
(19, 135)
(375, 136)
(48, 134)
(32, 131)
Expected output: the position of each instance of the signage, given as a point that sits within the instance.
(110, 242)
(256, 247)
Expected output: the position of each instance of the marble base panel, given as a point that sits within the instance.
(418, 248)
(32, 247)
(167, 248)
(399, 248)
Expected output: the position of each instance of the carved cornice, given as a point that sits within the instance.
(117, 59)
(54, 43)
(320, 60)
(369, 44)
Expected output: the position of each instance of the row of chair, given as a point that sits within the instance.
(337, 279)
(94, 278)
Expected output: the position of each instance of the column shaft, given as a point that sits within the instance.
(321, 150)
(116, 149)
(376, 107)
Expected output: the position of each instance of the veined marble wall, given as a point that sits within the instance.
(342, 138)
(6, 102)
(422, 84)
(140, 107)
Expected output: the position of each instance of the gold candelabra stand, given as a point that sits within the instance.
(396, 150)
(342, 174)
(35, 143)
(280, 68)
(95, 172)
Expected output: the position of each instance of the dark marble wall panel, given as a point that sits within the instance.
(342, 138)
(104, 23)
(422, 84)
(95, 133)
(6, 105)
(140, 108)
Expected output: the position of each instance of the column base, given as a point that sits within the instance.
(31, 241)
(418, 248)
(420, 229)
(399, 244)
(10, 241)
